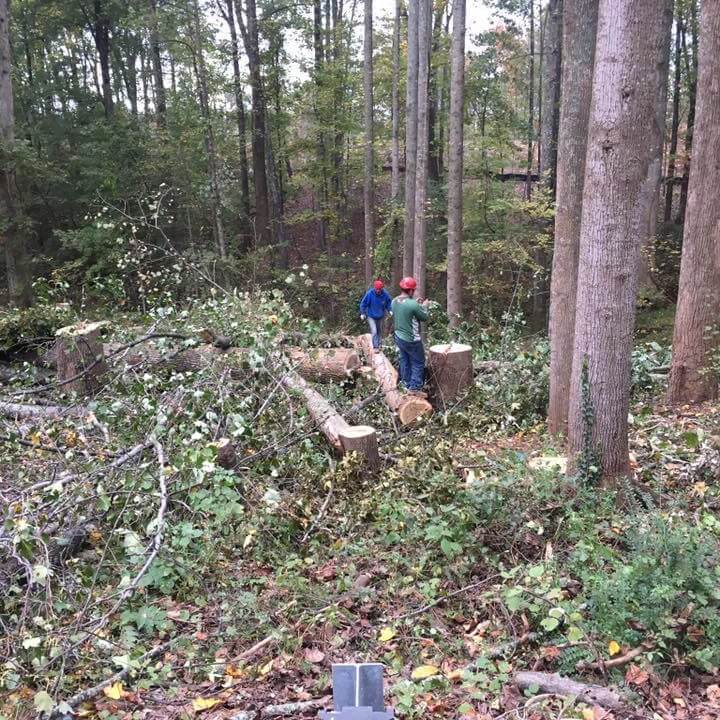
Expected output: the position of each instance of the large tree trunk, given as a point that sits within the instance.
(396, 261)
(155, 51)
(669, 180)
(434, 93)
(579, 28)
(621, 175)
(251, 41)
(455, 166)
(411, 135)
(551, 87)
(692, 378)
(10, 233)
(691, 70)
(368, 186)
(325, 364)
(101, 34)
(421, 171)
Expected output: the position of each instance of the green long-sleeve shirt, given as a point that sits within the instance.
(408, 314)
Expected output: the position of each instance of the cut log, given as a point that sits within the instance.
(408, 407)
(79, 357)
(325, 364)
(361, 439)
(451, 370)
(339, 433)
(559, 685)
(20, 411)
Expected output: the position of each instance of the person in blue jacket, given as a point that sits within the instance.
(376, 303)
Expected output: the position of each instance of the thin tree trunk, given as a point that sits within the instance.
(551, 80)
(421, 173)
(10, 233)
(621, 176)
(455, 166)
(320, 141)
(160, 98)
(669, 180)
(692, 73)
(250, 37)
(692, 378)
(531, 104)
(212, 159)
(101, 34)
(411, 135)
(368, 186)
(579, 29)
(395, 152)
(434, 116)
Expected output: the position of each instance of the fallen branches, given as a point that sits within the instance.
(618, 661)
(557, 685)
(285, 710)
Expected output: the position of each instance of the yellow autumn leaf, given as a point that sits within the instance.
(35, 438)
(588, 714)
(613, 648)
(200, 703)
(267, 667)
(386, 634)
(234, 672)
(424, 671)
(114, 692)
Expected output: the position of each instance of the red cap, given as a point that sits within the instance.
(408, 283)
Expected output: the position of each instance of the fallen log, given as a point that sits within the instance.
(19, 411)
(558, 685)
(408, 407)
(451, 370)
(340, 434)
(324, 364)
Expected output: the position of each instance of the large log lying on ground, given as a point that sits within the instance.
(558, 685)
(20, 411)
(340, 434)
(325, 364)
(451, 370)
(408, 407)
(79, 357)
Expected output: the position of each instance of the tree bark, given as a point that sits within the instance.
(411, 135)
(434, 93)
(451, 368)
(421, 170)
(249, 32)
(551, 82)
(621, 176)
(531, 103)
(368, 185)
(320, 140)
(12, 238)
(557, 685)
(691, 67)
(669, 180)
(396, 260)
(101, 34)
(579, 29)
(155, 51)
(325, 364)
(692, 378)
(79, 358)
(455, 166)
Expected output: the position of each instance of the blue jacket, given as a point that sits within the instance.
(375, 305)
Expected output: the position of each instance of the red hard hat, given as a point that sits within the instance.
(408, 283)
(378, 284)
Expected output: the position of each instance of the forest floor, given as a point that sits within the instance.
(469, 557)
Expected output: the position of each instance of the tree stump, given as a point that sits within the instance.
(451, 370)
(363, 440)
(80, 357)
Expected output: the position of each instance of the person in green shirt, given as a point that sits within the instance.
(408, 314)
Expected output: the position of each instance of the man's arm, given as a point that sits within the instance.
(420, 312)
(364, 304)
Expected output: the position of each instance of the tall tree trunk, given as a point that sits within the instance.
(10, 233)
(277, 217)
(411, 135)
(579, 29)
(531, 103)
(368, 186)
(551, 77)
(692, 73)
(101, 34)
(228, 12)
(160, 99)
(626, 128)
(434, 117)
(692, 378)
(669, 180)
(421, 172)
(209, 134)
(320, 140)
(455, 166)
(249, 33)
(396, 259)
